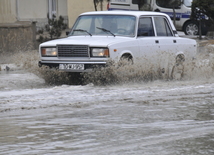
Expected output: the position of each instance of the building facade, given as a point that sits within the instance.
(37, 10)
(21, 19)
(7, 11)
(32, 10)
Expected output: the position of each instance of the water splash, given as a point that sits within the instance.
(117, 73)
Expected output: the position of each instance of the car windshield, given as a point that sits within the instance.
(114, 25)
(188, 3)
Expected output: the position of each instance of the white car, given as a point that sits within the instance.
(137, 36)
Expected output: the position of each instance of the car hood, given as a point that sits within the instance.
(87, 40)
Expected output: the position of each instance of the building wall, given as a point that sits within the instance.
(19, 36)
(76, 7)
(7, 11)
(19, 20)
(37, 10)
(62, 8)
(32, 10)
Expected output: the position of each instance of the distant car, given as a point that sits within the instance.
(97, 37)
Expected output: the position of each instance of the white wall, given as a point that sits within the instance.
(32, 9)
(7, 11)
(37, 10)
(76, 7)
(62, 8)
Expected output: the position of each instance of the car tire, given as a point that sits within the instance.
(191, 28)
(126, 59)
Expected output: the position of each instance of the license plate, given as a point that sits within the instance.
(71, 66)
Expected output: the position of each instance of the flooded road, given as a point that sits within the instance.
(159, 117)
(154, 117)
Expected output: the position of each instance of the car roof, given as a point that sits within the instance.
(134, 13)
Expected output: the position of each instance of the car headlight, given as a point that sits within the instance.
(49, 52)
(99, 52)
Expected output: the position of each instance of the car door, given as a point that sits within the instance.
(167, 42)
(148, 45)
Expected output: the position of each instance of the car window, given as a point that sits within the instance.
(83, 23)
(145, 27)
(121, 25)
(162, 27)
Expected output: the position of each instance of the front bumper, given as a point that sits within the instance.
(88, 66)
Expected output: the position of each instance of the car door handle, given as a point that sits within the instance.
(156, 41)
(174, 41)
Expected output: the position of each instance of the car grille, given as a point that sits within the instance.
(73, 51)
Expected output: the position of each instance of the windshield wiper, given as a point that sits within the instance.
(81, 30)
(105, 30)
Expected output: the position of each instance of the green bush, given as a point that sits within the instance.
(52, 30)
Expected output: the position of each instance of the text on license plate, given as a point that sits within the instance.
(71, 66)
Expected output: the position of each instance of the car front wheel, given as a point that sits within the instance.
(126, 59)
